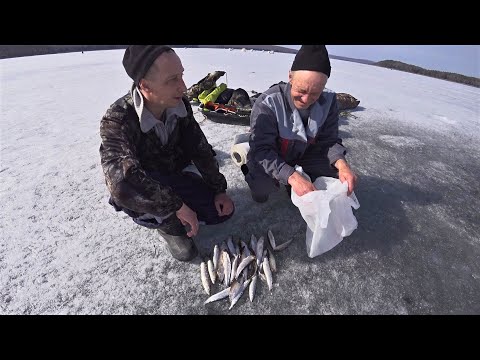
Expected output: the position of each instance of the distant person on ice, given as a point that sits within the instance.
(158, 165)
(296, 124)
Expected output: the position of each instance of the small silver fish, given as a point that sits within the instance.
(204, 277)
(268, 273)
(241, 279)
(271, 260)
(237, 248)
(242, 256)
(259, 250)
(271, 238)
(211, 271)
(252, 269)
(282, 246)
(235, 288)
(234, 267)
(216, 256)
(260, 273)
(239, 295)
(245, 249)
(262, 277)
(252, 287)
(227, 268)
(220, 269)
(218, 296)
(231, 246)
(245, 262)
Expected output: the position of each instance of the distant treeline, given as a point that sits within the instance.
(398, 65)
(11, 51)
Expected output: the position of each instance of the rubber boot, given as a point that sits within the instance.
(179, 244)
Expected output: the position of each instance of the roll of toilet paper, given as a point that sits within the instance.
(239, 153)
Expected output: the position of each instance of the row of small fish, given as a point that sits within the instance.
(237, 266)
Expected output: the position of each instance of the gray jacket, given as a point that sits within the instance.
(278, 137)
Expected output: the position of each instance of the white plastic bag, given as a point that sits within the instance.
(327, 212)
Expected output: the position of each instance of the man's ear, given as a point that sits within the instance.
(290, 76)
(143, 85)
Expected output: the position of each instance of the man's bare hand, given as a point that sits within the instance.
(300, 185)
(346, 174)
(223, 204)
(188, 216)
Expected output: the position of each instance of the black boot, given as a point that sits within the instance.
(259, 198)
(179, 244)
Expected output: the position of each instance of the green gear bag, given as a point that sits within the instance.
(214, 94)
(204, 93)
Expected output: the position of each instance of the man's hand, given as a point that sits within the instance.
(188, 216)
(300, 185)
(346, 174)
(223, 204)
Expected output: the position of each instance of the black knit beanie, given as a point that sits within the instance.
(312, 57)
(138, 59)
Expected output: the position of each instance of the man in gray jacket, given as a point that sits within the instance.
(158, 165)
(296, 124)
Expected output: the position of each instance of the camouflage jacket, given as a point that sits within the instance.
(128, 155)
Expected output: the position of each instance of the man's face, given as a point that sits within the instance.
(164, 81)
(307, 86)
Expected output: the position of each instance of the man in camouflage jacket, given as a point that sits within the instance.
(158, 165)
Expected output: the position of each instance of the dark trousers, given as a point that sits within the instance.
(314, 163)
(194, 192)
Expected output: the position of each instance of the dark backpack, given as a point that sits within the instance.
(240, 99)
(225, 96)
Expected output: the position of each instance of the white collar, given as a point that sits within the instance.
(146, 118)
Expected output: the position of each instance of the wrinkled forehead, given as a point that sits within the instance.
(167, 65)
(308, 80)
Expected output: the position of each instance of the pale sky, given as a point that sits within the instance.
(64, 250)
(460, 59)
